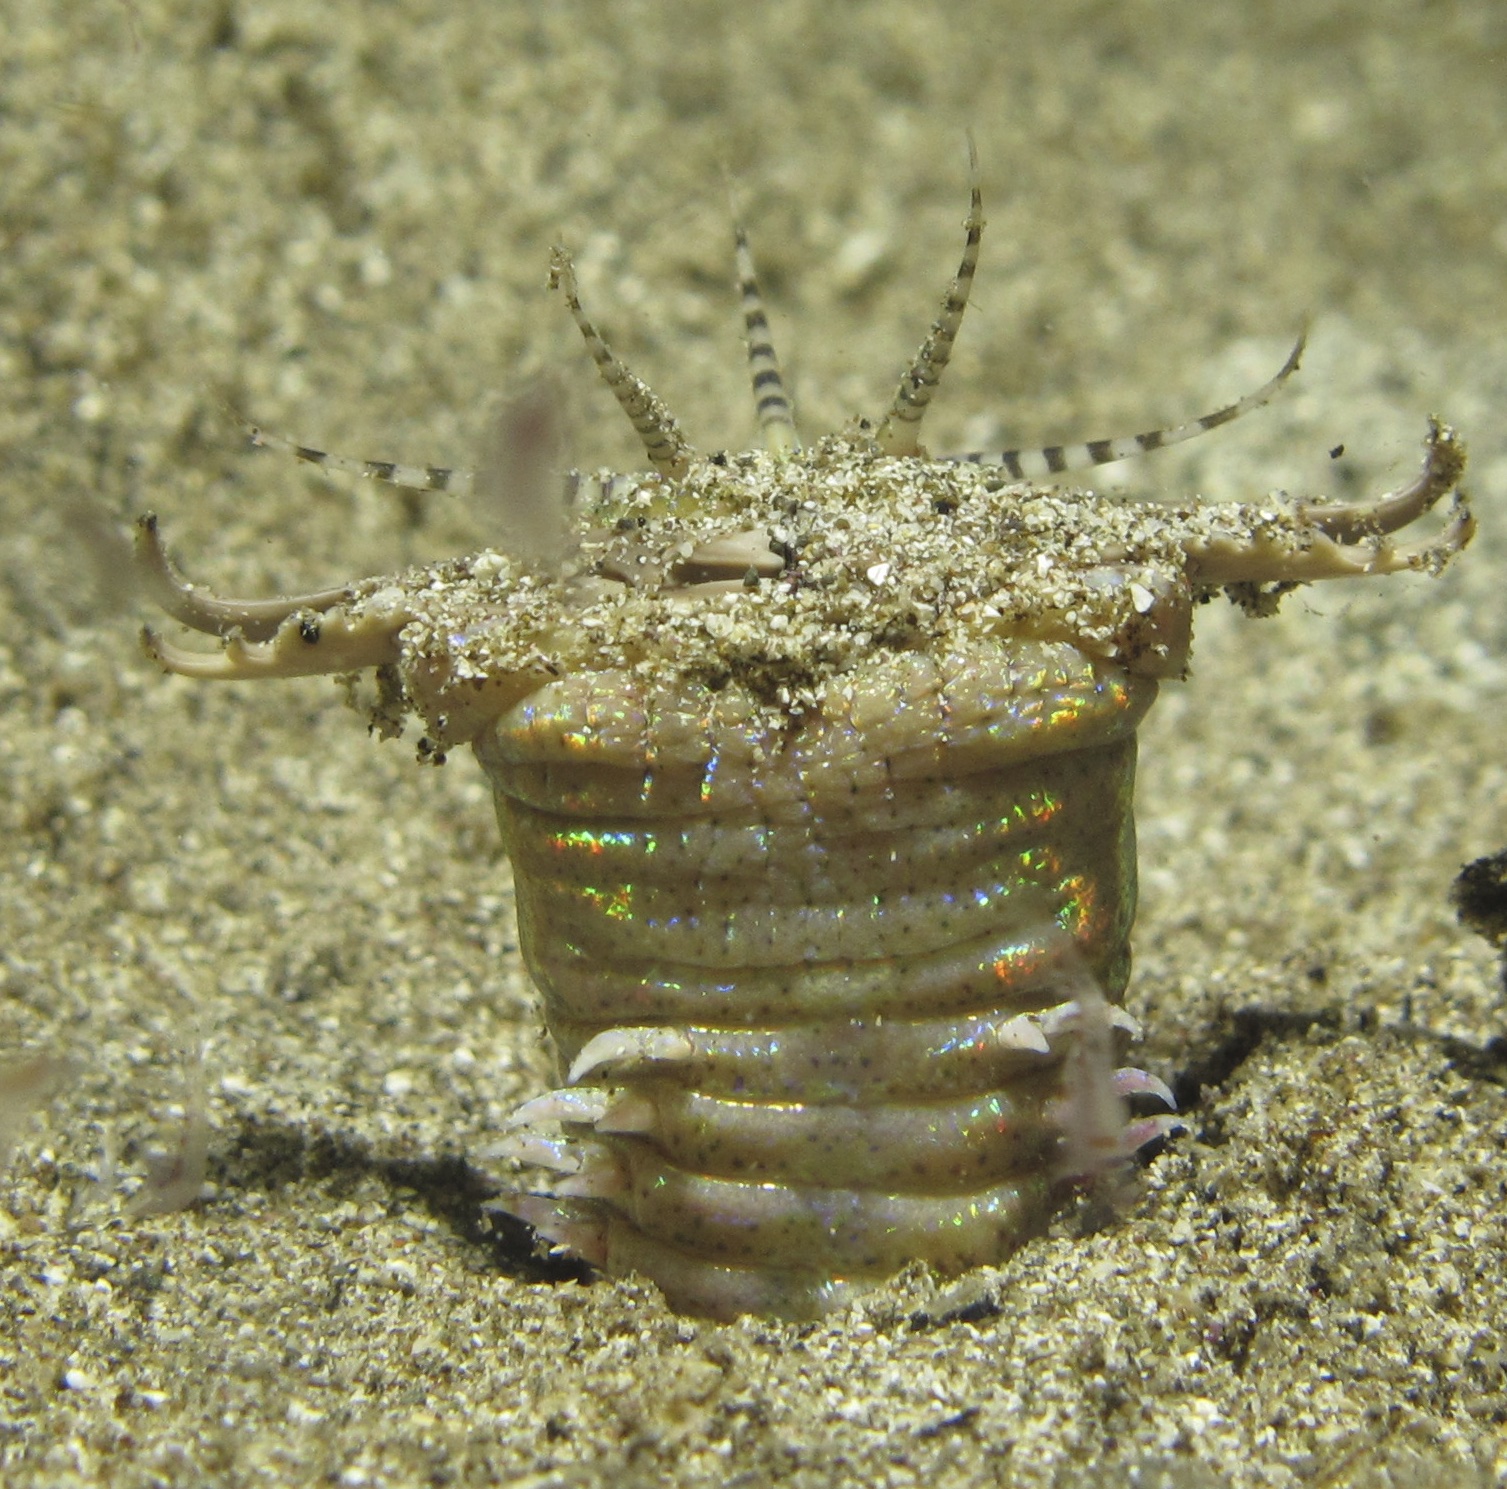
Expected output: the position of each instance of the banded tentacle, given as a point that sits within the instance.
(1055, 460)
(771, 401)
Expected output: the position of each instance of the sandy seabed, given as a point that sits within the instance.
(338, 218)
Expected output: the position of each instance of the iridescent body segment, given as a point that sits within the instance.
(815, 768)
(844, 931)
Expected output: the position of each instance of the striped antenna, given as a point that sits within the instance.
(667, 448)
(453, 480)
(776, 421)
(900, 432)
(1053, 460)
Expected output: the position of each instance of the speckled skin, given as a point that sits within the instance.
(844, 923)
(815, 769)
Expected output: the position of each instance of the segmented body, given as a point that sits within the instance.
(815, 770)
(846, 933)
